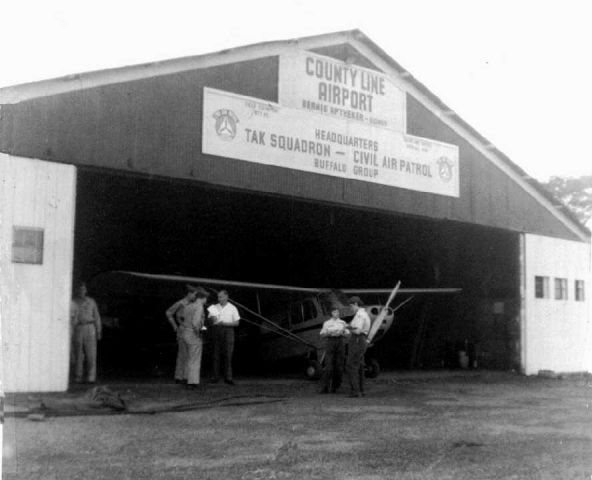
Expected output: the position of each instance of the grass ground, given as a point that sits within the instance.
(414, 426)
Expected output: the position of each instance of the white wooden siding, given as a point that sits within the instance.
(35, 298)
(556, 333)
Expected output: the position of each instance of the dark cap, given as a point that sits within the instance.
(201, 292)
(355, 299)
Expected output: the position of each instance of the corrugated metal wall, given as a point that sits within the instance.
(35, 298)
(488, 195)
(153, 126)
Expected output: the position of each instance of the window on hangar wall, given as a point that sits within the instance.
(580, 290)
(541, 287)
(561, 289)
(27, 245)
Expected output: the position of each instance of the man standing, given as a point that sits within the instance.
(86, 330)
(225, 318)
(333, 332)
(359, 327)
(192, 331)
(175, 317)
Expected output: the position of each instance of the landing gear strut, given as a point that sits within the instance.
(313, 370)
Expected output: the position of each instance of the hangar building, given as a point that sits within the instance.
(317, 161)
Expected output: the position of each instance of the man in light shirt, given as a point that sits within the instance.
(359, 328)
(333, 332)
(225, 318)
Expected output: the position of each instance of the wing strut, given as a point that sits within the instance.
(401, 304)
(279, 330)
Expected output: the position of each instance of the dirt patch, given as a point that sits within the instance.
(327, 442)
(371, 409)
(389, 417)
(209, 463)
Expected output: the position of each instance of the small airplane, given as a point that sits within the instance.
(296, 314)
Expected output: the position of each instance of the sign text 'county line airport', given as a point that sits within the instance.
(325, 85)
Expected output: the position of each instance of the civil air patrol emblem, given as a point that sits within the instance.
(226, 121)
(445, 169)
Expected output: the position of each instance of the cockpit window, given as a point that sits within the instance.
(310, 310)
(296, 313)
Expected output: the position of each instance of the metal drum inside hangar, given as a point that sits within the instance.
(317, 161)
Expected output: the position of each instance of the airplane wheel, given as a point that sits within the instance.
(313, 370)
(372, 368)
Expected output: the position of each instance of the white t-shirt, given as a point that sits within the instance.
(361, 322)
(224, 315)
(334, 327)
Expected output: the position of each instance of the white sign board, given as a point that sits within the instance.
(255, 130)
(325, 85)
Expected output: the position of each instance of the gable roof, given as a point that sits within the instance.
(366, 52)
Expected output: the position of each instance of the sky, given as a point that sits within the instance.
(519, 72)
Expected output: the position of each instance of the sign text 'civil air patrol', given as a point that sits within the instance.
(255, 130)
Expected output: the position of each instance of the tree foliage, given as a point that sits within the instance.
(575, 193)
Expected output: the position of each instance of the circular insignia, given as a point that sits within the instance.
(445, 168)
(226, 121)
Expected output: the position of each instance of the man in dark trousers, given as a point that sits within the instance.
(359, 328)
(225, 318)
(333, 332)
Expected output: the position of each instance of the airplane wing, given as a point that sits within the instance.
(268, 286)
(214, 281)
(411, 291)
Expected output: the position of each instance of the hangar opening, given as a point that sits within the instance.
(156, 225)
